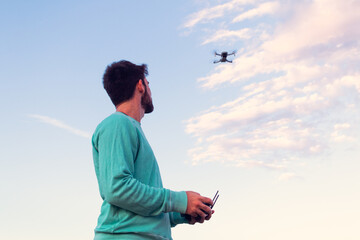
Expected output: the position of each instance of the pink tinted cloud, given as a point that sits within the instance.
(311, 58)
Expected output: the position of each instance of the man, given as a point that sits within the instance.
(135, 204)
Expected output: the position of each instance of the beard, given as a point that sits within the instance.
(147, 103)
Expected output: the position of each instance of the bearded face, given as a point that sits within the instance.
(146, 102)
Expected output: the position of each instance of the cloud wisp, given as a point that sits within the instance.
(228, 34)
(213, 13)
(299, 86)
(262, 9)
(59, 124)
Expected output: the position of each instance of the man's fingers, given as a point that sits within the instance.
(206, 209)
(194, 202)
(209, 215)
(200, 219)
(206, 200)
(201, 214)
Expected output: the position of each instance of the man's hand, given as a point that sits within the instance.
(198, 207)
(192, 220)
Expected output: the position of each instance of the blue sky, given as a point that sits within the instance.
(276, 131)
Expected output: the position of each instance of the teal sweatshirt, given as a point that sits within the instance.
(135, 204)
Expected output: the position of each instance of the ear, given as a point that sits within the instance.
(140, 86)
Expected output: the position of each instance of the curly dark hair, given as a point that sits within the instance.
(120, 79)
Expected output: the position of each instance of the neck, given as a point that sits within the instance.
(132, 108)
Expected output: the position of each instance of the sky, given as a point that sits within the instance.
(276, 131)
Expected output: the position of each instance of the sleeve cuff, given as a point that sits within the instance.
(177, 218)
(178, 201)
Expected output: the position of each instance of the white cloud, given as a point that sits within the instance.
(60, 124)
(262, 9)
(318, 26)
(227, 34)
(288, 176)
(341, 126)
(215, 12)
(310, 79)
(341, 133)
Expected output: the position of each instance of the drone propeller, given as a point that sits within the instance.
(233, 53)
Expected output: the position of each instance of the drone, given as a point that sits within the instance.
(224, 56)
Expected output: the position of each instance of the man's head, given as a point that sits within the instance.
(120, 80)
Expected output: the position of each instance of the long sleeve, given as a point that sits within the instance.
(116, 151)
(177, 218)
